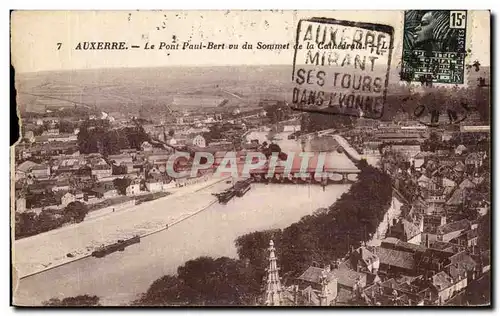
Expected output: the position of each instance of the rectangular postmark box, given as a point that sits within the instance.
(341, 67)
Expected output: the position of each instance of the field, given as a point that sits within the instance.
(148, 91)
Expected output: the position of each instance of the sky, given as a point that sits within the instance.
(35, 35)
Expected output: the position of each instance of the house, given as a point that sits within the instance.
(310, 283)
(67, 198)
(24, 168)
(199, 141)
(363, 260)
(40, 171)
(423, 181)
(104, 189)
(99, 167)
(467, 238)
(21, 204)
(460, 150)
(433, 220)
(446, 246)
(29, 136)
(451, 230)
(459, 167)
(458, 197)
(475, 159)
(119, 159)
(62, 185)
(445, 286)
(395, 261)
(394, 292)
(396, 244)
(448, 183)
(146, 146)
(134, 188)
(418, 160)
(464, 260)
(102, 170)
(407, 231)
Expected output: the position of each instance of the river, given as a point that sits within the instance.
(119, 277)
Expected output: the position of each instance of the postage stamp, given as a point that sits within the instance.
(434, 46)
(341, 67)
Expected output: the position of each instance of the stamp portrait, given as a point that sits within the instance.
(434, 46)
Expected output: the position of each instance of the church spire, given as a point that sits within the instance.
(273, 295)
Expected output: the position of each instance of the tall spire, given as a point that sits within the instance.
(273, 295)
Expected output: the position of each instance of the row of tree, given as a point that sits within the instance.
(30, 223)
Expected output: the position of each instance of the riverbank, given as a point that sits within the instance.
(48, 250)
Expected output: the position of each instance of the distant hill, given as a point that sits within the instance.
(148, 90)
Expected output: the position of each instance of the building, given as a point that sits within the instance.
(445, 286)
(40, 171)
(452, 230)
(475, 159)
(317, 286)
(407, 231)
(119, 159)
(133, 189)
(395, 262)
(67, 198)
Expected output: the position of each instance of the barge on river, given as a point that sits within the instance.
(120, 245)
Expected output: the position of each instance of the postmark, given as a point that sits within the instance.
(434, 46)
(341, 67)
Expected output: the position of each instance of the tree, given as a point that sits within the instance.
(76, 211)
(80, 300)
(121, 185)
(205, 281)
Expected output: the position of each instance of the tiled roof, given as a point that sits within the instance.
(313, 274)
(463, 224)
(348, 277)
(410, 229)
(467, 184)
(457, 272)
(464, 260)
(395, 258)
(442, 281)
(26, 166)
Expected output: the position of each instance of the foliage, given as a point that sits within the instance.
(121, 185)
(97, 137)
(205, 281)
(277, 112)
(80, 300)
(312, 122)
(76, 211)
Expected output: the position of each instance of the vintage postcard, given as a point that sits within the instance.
(251, 158)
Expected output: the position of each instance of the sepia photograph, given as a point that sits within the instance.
(251, 158)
